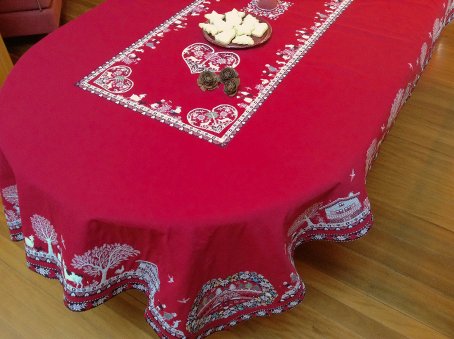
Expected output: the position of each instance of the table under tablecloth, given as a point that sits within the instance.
(120, 173)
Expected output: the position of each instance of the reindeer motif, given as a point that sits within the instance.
(246, 96)
(137, 98)
(71, 276)
(120, 270)
(30, 241)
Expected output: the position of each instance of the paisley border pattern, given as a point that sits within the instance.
(236, 289)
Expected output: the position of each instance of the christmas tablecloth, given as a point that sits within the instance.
(120, 173)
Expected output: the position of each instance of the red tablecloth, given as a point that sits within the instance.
(120, 173)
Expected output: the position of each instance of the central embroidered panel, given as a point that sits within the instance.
(157, 75)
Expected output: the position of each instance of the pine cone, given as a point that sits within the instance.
(207, 81)
(231, 86)
(227, 74)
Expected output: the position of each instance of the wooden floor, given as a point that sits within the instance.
(398, 281)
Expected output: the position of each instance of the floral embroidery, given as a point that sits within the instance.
(272, 14)
(216, 119)
(116, 79)
(200, 57)
(223, 298)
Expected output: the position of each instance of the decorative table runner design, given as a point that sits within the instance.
(150, 77)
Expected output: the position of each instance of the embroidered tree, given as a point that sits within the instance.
(311, 213)
(422, 57)
(366, 204)
(44, 231)
(99, 260)
(437, 29)
(306, 217)
(397, 104)
(11, 217)
(10, 195)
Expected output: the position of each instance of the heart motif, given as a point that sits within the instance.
(215, 120)
(116, 79)
(221, 298)
(200, 57)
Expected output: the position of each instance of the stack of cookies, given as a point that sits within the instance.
(234, 27)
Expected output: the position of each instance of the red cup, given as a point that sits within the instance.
(267, 4)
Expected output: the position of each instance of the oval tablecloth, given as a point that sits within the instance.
(120, 173)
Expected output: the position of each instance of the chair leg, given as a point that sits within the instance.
(5, 62)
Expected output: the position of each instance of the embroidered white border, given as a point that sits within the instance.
(249, 111)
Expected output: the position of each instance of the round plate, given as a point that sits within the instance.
(257, 41)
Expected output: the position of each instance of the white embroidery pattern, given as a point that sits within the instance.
(449, 15)
(223, 298)
(371, 154)
(166, 107)
(101, 263)
(116, 79)
(340, 214)
(319, 221)
(423, 58)
(13, 219)
(200, 57)
(438, 27)
(214, 120)
(401, 97)
(295, 285)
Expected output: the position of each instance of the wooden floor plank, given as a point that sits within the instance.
(358, 322)
(411, 228)
(400, 292)
(418, 263)
(367, 305)
(311, 324)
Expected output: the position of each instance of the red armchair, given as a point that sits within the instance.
(28, 17)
